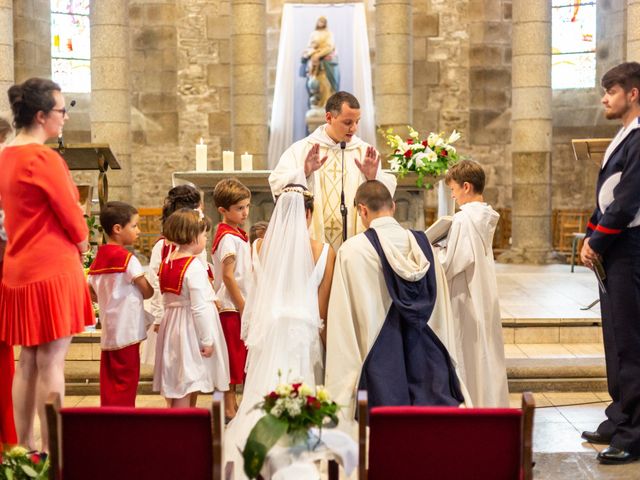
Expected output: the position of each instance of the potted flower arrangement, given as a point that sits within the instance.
(291, 409)
(430, 157)
(18, 463)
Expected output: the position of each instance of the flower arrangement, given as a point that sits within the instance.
(289, 409)
(428, 158)
(20, 464)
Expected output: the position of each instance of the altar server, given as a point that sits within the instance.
(316, 162)
(613, 238)
(468, 263)
(118, 280)
(384, 292)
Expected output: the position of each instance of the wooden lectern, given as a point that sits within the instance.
(590, 149)
(90, 156)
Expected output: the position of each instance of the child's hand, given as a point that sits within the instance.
(218, 305)
(156, 327)
(206, 351)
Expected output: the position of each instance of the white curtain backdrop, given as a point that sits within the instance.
(349, 26)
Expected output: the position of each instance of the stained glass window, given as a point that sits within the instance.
(70, 45)
(573, 44)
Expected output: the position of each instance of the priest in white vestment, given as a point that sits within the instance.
(316, 162)
(469, 266)
(361, 325)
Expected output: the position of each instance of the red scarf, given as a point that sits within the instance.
(171, 274)
(224, 229)
(110, 259)
(168, 247)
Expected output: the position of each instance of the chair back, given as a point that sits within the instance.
(451, 443)
(133, 443)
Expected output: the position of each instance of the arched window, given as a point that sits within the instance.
(70, 45)
(573, 44)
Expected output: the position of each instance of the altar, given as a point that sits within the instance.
(411, 202)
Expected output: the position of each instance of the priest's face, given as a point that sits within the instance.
(617, 103)
(342, 127)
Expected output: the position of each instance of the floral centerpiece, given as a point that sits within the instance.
(291, 409)
(18, 463)
(430, 157)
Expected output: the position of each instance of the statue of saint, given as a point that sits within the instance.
(320, 65)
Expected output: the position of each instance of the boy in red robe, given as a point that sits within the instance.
(117, 278)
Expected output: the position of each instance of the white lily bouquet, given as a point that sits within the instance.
(431, 157)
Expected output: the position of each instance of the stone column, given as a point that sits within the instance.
(249, 80)
(531, 133)
(32, 39)
(6, 52)
(394, 63)
(110, 93)
(633, 30)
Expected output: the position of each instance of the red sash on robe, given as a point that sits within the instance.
(110, 259)
(224, 229)
(167, 248)
(172, 274)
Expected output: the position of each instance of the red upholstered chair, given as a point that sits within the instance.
(125, 443)
(447, 443)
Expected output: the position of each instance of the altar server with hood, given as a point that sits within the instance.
(470, 270)
(384, 293)
(316, 162)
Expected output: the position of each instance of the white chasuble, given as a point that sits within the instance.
(326, 183)
(470, 271)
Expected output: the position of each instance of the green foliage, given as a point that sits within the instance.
(20, 464)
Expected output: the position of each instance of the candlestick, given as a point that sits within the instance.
(201, 156)
(246, 162)
(227, 161)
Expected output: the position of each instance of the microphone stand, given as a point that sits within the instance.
(343, 206)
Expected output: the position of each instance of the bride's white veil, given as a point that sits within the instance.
(281, 318)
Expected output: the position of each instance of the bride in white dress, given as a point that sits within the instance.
(282, 321)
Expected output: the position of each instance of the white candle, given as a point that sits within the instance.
(227, 161)
(201, 156)
(246, 162)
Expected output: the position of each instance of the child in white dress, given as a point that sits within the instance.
(191, 353)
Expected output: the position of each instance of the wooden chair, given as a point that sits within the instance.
(502, 235)
(446, 442)
(105, 443)
(150, 229)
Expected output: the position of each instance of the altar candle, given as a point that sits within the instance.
(246, 162)
(227, 161)
(201, 156)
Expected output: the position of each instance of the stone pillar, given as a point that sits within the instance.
(633, 30)
(531, 133)
(110, 93)
(249, 80)
(31, 39)
(394, 63)
(6, 52)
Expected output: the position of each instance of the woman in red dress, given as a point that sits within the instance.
(44, 298)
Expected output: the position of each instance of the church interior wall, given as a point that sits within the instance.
(180, 69)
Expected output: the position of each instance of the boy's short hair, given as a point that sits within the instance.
(467, 171)
(258, 230)
(230, 191)
(116, 213)
(183, 226)
(374, 195)
(627, 75)
(335, 102)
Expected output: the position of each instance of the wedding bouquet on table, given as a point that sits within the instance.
(290, 410)
(18, 463)
(430, 157)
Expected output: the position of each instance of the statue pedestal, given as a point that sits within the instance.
(314, 117)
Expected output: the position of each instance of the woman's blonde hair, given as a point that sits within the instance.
(183, 226)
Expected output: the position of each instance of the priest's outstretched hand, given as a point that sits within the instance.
(313, 161)
(370, 163)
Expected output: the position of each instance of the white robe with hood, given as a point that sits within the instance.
(290, 169)
(468, 263)
(359, 304)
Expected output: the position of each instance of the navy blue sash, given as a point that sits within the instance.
(408, 364)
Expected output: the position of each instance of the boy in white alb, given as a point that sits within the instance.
(117, 278)
(231, 254)
(468, 263)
